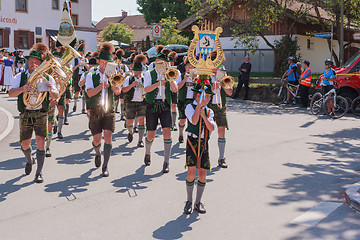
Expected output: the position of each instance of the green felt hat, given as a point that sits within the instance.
(105, 56)
(56, 54)
(171, 59)
(20, 61)
(137, 67)
(162, 56)
(35, 54)
(93, 61)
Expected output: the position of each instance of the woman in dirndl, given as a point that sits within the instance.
(8, 70)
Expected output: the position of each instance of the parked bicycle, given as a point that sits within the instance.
(279, 94)
(355, 106)
(335, 106)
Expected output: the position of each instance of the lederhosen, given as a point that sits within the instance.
(192, 158)
(182, 100)
(31, 120)
(76, 77)
(134, 109)
(99, 118)
(220, 112)
(156, 108)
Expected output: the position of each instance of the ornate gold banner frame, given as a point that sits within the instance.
(205, 41)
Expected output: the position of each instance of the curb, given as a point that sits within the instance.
(10, 124)
(352, 196)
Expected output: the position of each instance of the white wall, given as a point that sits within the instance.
(41, 14)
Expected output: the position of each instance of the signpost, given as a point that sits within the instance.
(327, 35)
(323, 35)
(156, 32)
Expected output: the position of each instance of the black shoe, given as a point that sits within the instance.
(105, 172)
(38, 178)
(136, 130)
(48, 153)
(140, 144)
(83, 111)
(60, 136)
(122, 118)
(188, 207)
(130, 137)
(175, 128)
(28, 168)
(66, 122)
(74, 108)
(165, 168)
(97, 161)
(55, 129)
(117, 111)
(125, 125)
(222, 163)
(181, 139)
(147, 160)
(200, 208)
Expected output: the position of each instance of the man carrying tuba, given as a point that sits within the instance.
(133, 89)
(218, 105)
(35, 119)
(102, 118)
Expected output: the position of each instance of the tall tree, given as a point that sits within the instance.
(118, 32)
(155, 10)
(170, 35)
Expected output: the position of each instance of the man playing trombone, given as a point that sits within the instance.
(158, 102)
(102, 104)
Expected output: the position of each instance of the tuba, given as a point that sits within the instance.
(227, 82)
(34, 99)
(172, 74)
(117, 80)
(69, 54)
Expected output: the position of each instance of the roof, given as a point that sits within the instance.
(134, 22)
(105, 22)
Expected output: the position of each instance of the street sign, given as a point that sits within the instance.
(323, 35)
(156, 30)
(356, 36)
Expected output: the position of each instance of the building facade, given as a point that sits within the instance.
(25, 22)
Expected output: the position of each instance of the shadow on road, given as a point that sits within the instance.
(69, 187)
(85, 135)
(78, 158)
(134, 182)
(175, 228)
(10, 187)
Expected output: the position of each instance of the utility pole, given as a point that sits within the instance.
(342, 34)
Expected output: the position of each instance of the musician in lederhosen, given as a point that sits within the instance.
(200, 124)
(78, 65)
(158, 104)
(218, 105)
(102, 104)
(133, 89)
(172, 59)
(36, 119)
(124, 70)
(185, 96)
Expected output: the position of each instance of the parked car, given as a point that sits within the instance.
(181, 50)
(348, 78)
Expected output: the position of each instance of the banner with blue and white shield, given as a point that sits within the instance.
(206, 44)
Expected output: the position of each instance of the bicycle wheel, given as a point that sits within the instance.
(278, 95)
(338, 109)
(355, 106)
(316, 103)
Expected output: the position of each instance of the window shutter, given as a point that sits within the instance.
(16, 39)
(6, 38)
(31, 39)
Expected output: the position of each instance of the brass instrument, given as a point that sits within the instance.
(34, 99)
(69, 54)
(117, 80)
(172, 74)
(227, 82)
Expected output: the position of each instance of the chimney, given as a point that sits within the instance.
(124, 14)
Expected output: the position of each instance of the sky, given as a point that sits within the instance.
(111, 8)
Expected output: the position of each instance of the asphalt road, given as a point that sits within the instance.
(283, 162)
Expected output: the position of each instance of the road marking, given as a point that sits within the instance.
(316, 214)
(10, 124)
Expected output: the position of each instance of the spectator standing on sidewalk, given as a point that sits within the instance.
(305, 84)
(244, 77)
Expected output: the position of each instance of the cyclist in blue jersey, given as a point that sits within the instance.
(327, 80)
(292, 75)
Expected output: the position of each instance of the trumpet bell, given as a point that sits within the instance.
(227, 82)
(117, 80)
(172, 74)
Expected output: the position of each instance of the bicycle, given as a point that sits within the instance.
(279, 94)
(319, 102)
(355, 106)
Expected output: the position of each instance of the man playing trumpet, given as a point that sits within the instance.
(33, 119)
(158, 102)
(102, 114)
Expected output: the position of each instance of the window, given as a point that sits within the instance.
(74, 1)
(356, 68)
(4, 37)
(1, 38)
(38, 40)
(21, 5)
(75, 19)
(55, 4)
(23, 39)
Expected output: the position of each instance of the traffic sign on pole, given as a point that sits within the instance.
(323, 35)
(356, 36)
(156, 31)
